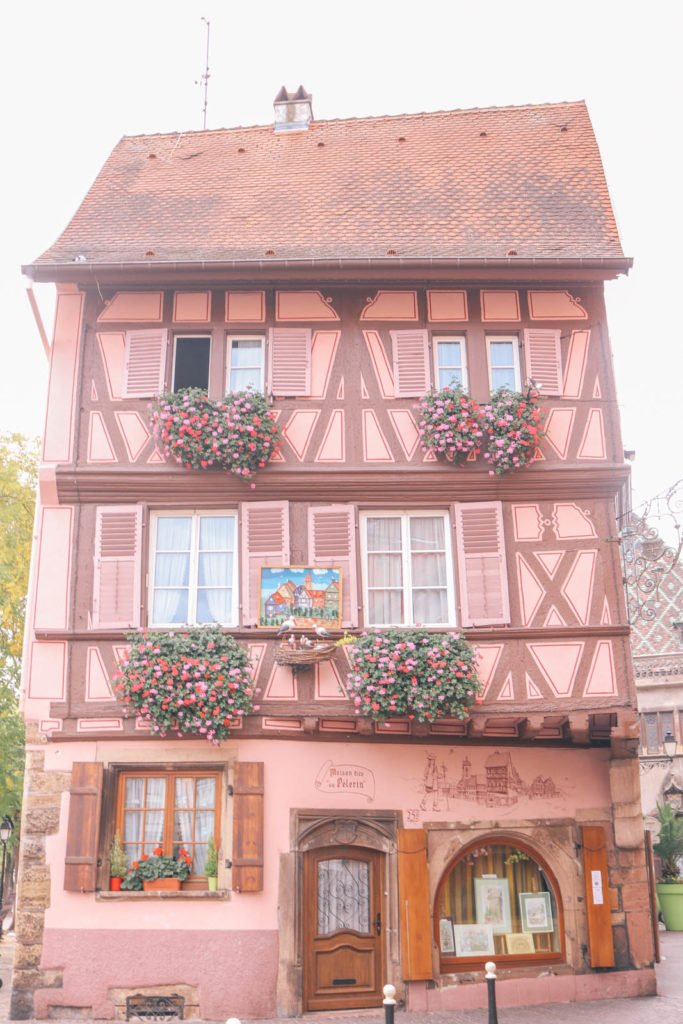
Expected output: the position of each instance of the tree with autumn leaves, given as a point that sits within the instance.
(18, 479)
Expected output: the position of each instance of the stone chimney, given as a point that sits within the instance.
(293, 110)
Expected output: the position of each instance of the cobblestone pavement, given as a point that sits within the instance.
(664, 1008)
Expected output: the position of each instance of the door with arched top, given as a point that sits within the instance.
(342, 928)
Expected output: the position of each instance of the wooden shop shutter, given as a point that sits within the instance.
(247, 827)
(80, 871)
(411, 363)
(332, 542)
(543, 359)
(413, 895)
(144, 371)
(265, 541)
(482, 571)
(598, 910)
(116, 586)
(290, 361)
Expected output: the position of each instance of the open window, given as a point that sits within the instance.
(497, 900)
(191, 359)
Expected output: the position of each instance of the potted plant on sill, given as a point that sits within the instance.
(669, 849)
(211, 866)
(118, 864)
(159, 871)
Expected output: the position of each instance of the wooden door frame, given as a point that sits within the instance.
(311, 830)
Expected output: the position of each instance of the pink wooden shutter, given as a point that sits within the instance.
(332, 541)
(411, 363)
(145, 368)
(265, 541)
(290, 361)
(543, 359)
(116, 588)
(481, 563)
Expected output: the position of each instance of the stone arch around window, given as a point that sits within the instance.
(497, 898)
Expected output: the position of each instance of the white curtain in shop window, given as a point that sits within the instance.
(343, 896)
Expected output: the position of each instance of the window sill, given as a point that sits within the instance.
(162, 894)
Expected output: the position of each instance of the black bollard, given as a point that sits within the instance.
(491, 986)
(389, 1003)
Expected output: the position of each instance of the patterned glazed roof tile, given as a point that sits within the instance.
(463, 184)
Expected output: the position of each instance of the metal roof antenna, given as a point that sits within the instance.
(205, 77)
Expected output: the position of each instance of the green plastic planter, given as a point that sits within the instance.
(670, 896)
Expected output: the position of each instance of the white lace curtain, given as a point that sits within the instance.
(176, 572)
(343, 896)
(407, 580)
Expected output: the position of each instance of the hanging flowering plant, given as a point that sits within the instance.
(237, 434)
(196, 681)
(413, 673)
(514, 425)
(450, 424)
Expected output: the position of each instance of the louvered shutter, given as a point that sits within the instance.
(290, 361)
(116, 587)
(265, 541)
(145, 367)
(484, 596)
(80, 870)
(544, 360)
(411, 363)
(413, 899)
(247, 827)
(332, 541)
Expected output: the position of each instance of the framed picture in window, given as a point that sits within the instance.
(305, 596)
(519, 943)
(446, 936)
(492, 902)
(473, 940)
(536, 911)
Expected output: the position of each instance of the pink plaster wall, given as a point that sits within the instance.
(235, 972)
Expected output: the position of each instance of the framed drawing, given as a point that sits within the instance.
(307, 595)
(492, 901)
(446, 936)
(473, 940)
(536, 912)
(519, 943)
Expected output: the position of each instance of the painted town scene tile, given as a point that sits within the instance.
(301, 596)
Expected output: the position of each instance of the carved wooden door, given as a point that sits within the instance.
(342, 928)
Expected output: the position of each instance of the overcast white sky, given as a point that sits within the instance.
(75, 76)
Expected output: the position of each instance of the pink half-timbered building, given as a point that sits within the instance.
(343, 268)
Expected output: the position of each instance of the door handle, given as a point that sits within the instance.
(378, 923)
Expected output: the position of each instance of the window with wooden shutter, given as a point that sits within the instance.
(411, 363)
(544, 360)
(145, 366)
(116, 587)
(413, 895)
(482, 570)
(265, 541)
(332, 542)
(247, 827)
(290, 361)
(80, 871)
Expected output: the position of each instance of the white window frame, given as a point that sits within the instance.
(228, 359)
(513, 339)
(405, 516)
(461, 340)
(188, 337)
(195, 515)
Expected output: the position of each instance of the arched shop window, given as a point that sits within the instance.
(498, 900)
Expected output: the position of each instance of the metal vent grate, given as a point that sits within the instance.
(154, 1007)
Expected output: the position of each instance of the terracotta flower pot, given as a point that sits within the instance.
(115, 884)
(157, 884)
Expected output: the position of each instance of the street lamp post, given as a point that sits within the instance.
(6, 828)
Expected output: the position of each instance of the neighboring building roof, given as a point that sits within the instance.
(522, 183)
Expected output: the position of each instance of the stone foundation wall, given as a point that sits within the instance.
(40, 818)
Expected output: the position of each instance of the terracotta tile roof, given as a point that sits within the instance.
(462, 184)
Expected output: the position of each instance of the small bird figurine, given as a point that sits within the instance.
(291, 640)
(305, 642)
(286, 626)
(321, 631)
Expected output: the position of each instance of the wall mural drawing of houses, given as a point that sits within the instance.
(499, 785)
(310, 596)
